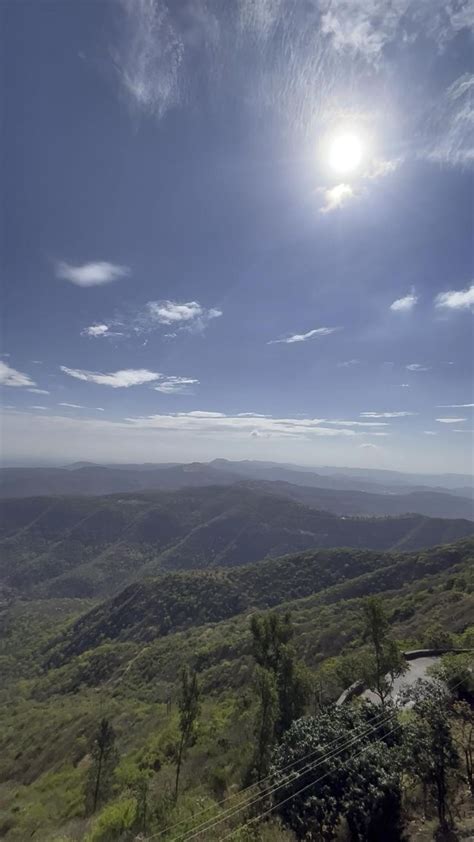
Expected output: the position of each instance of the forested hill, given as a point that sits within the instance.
(86, 546)
(176, 601)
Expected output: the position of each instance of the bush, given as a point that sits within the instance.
(114, 819)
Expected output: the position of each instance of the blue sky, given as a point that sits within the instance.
(188, 270)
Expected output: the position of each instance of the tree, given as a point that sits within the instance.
(266, 720)
(104, 760)
(384, 662)
(430, 750)
(463, 715)
(339, 770)
(189, 708)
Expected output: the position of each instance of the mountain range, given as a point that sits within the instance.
(90, 546)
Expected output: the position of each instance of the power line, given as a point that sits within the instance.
(246, 789)
(205, 826)
(303, 788)
(313, 783)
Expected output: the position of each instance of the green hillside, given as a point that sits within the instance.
(85, 547)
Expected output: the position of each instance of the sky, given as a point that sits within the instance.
(238, 230)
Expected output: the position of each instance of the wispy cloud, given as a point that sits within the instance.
(451, 420)
(398, 414)
(367, 27)
(303, 337)
(456, 299)
(168, 384)
(149, 60)
(470, 432)
(455, 406)
(11, 377)
(429, 433)
(336, 197)
(176, 385)
(91, 274)
(38, 407)
(359, 423)
(403, 305)
(348, 363)
(117, 380)
(189, 316)
(71, 405)
(451, 122)
(417, 367)
(39, 391)
(219, 423)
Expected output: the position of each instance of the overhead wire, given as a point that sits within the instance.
(256, 784)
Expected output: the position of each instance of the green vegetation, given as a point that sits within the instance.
(258, 673)
(93, 546)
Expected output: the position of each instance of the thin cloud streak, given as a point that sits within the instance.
(303, 337)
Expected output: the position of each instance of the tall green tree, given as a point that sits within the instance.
(104, 760)
(384, 661)
(189, 707)
(430, 750)
(266, 720)
(282, 684)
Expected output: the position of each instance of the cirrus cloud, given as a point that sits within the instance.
(117, 380)
(303, 337)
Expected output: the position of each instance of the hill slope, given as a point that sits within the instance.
(80, 547)
(145, 610)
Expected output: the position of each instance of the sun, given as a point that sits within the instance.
(345, 153)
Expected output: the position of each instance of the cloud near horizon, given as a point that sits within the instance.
(91, 274)
(398, 414)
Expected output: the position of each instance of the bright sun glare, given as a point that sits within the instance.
(345, 153)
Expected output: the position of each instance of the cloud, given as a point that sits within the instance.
(150, 58)
(117, 380)
(348, 363)
(336, 197)
(38, 407)
(71, 405)
(189, 314)
(303, 337)
(429, 433)
(363, 423)
(403, 305)
(455, 406)
(97, 330)
(404, 385)
(91, 274)
(456, 299)
(450, 420)
(471, 432)
(367, 27)
(218, 423)
(175, 385)
(417, 367)
(11, 377)
(451, 122)
(39, 391)
(400, 414)
(369, 446)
